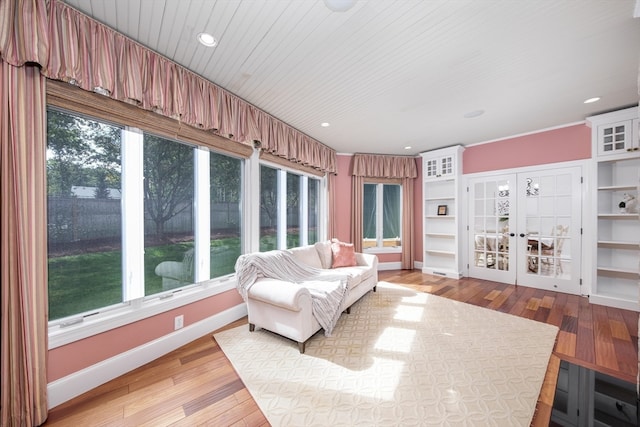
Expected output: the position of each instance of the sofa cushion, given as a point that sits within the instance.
(307, 255)
(357, 274)
(324, 252)
(343, 254)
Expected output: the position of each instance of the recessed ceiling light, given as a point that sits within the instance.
(339, 5)
(472, 114)
(207, 39)
(408, 147)
(325, 125)
(590, 100)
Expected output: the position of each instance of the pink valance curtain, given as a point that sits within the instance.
(380, 166)
(383, 166)
(74, 48)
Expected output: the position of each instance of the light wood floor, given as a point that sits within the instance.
(196, 384)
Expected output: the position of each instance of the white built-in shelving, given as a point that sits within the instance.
(441, 194)
(616, 161)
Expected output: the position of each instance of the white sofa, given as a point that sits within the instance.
(286, 308)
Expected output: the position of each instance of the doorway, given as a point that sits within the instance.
(525, 228)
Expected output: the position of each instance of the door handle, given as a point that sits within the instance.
(512, 234)
(523, 234)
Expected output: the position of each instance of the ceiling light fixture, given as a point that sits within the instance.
(408, 147)
(325, 125)
(339, 5)
(590, 100)
(207, 39)
(472, 114)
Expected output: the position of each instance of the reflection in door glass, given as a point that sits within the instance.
(491, 225)
(548, 215)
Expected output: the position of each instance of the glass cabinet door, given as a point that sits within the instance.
(614, 138)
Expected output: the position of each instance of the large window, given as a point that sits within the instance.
(132, 215)
(289, 208)
(84, 189)
(382, 216)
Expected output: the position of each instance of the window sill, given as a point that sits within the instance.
(136, 310)
(393, 250)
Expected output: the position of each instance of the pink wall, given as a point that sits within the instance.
(81, 354)
(559, 145)
(342, 220)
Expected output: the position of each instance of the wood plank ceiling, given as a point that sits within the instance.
(390, 74)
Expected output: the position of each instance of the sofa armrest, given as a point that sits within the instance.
(291, 296)
(370, 260)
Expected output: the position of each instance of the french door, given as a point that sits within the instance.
(525, 228)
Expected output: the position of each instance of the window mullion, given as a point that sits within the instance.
(282, 209)
(303, 209)
(251, 213)
(380, 215)
(323, 210)
(202, 201)
(132, 214)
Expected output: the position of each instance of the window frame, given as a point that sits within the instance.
(380, 182)
(303, 211)
(65, 97)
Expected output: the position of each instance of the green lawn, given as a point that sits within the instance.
(81, 283)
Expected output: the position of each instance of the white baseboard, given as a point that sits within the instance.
(73, 385)
(397, 265)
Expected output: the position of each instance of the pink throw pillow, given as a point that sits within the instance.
(343, 254)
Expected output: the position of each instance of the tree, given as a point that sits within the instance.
(102, 190)
(80, 152)
(66, 148)
(168, 180)
(268, 195)
(225, 179)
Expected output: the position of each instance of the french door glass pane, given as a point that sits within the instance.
(548, 217)
(84, 214)
(168, 214)
(226, 194)
(491, 224)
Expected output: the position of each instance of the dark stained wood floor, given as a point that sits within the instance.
(196, 384)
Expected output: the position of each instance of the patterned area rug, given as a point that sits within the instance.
(400, 358)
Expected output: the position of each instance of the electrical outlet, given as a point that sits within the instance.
(178, 322)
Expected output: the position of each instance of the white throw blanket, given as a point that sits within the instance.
(328, 289)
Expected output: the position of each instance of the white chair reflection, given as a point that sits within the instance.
(548, 250)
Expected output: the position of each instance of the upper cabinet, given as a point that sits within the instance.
(616, 133)
(440, 166)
